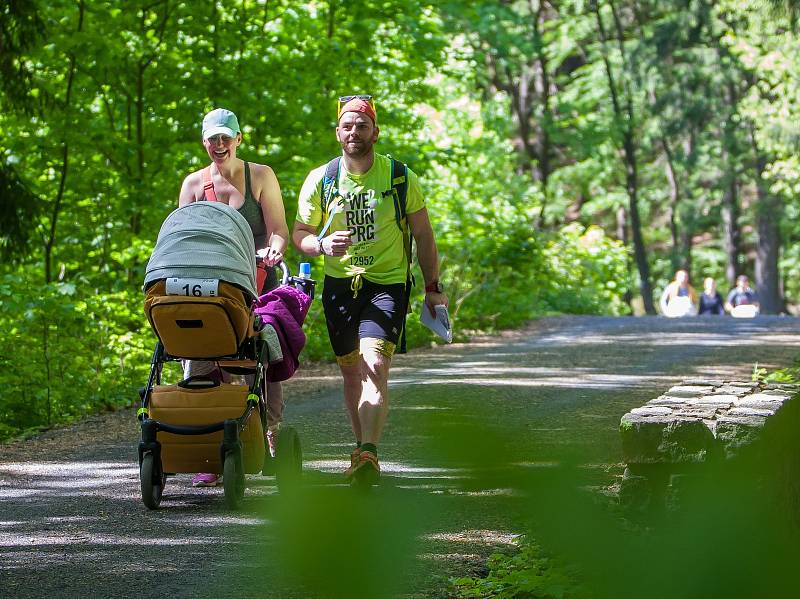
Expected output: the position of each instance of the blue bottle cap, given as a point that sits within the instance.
(305, 270)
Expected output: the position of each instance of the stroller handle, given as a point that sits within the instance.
(285, 272)
(305, 284)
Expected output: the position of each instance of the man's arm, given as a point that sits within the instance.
(427, 253)
(304, 238)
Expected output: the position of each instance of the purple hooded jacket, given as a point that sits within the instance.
(284, 308)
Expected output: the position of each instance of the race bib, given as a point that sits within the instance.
(192, 287)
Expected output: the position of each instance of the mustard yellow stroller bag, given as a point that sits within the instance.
(200, 453)
(199, 327)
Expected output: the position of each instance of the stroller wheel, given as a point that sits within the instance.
(288, 459)
(152, 481)
(232, 481)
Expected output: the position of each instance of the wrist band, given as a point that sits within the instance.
(320, 248)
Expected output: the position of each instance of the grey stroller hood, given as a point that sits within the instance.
(205, 240)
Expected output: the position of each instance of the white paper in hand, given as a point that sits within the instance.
(439, 324)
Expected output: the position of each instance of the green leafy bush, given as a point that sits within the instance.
(68, 351)
(529, 572)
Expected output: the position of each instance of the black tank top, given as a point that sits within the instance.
(251, 211)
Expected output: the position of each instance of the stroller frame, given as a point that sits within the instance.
(249, 359)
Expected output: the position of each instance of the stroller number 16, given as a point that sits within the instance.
(192, 287)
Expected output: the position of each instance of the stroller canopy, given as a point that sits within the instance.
(205, 240)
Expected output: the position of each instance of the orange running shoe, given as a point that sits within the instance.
(368, 471)
(348, 474)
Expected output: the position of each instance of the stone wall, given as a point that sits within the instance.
(696, 424)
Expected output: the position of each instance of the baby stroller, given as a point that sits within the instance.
(202, 304)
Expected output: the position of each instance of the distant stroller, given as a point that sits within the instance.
(202, 303)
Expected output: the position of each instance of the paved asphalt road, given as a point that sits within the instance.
(465, 421)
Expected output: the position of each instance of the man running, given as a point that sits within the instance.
(356, 221)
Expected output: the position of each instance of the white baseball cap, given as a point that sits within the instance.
(221, 121)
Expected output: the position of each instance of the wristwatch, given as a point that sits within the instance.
(434, 287)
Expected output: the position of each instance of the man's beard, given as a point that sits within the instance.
(359, 151)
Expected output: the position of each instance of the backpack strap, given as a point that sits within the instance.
(327, 192)
(399, 193)
(400, 187)
(329, 181)
(208, 185)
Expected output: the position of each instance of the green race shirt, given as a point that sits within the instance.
(362, 207)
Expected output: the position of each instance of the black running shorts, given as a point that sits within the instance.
(377, 311)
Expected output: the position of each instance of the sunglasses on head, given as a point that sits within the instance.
(345, 99)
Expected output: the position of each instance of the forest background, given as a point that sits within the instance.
(573, 155)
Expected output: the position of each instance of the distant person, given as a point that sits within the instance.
(710, 301)
(742, 300)
(679, 297)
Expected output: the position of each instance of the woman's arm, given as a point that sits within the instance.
(188, 193)
(664, 298)
(274, 213)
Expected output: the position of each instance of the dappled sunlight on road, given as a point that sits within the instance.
(493, 376)
(106, 470)
(389, 468)
(35, 481)
(12, 539)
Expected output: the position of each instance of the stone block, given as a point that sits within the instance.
(649, 410)
(719, 402)
(777, 393)
(734, 432)
(664, 438)
(699, 421)
(743, 411)
(790, 387)
(668, 401)
(746, 384)
(762, 401)
(703, 382)
(697, 412)
(731, 390)
(690, 390)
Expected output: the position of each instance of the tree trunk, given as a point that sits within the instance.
(730, 225)
(686, 249)
(625, 119)
(674, 200)
(768, 213)
(622, 235)
(731, 238)
(50, 241)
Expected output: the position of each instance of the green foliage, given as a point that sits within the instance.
(790, 374)
(587, 272)
(529, 572)
(67, 351)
